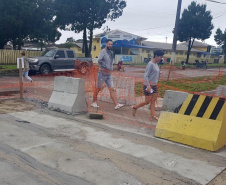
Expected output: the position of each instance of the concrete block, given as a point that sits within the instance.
(173, 99)
(67, 84)
(200, 122)
(190, 130)
(68, 96)
(221, 90)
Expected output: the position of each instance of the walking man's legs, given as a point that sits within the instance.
(113, 95)
(95, 94)
(97, 88)
(109, 82)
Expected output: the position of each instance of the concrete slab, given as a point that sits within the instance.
(11, 174)
(47, 122)
(66, 159)
(200, 171)
(19, 138)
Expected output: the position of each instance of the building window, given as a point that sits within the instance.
(98, 41)
(148, 51)
(181, 52)
(94, 48)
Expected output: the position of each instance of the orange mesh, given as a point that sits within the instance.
(129, 90)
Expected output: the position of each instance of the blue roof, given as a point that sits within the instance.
(131, 46)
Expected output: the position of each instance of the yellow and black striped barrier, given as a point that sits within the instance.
(200, 122)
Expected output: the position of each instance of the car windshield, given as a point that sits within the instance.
(50, 53)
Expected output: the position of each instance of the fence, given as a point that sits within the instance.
(193, 59)
(128, 87)
(10, 56)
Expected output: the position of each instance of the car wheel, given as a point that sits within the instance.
(45, 69)
(83, 69)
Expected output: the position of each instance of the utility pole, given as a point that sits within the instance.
(174, 47)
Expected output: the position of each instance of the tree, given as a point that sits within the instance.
(5, 21)
(87, 15)
(27, 19)
(44, 30)
(67, 45)
(195, 23)
(220, 38)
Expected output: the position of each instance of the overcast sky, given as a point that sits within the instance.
(155, 19)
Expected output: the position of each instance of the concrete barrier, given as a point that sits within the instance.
(173, 99)
(221, 90)
(68, 95)
(125, 90)
(200, 122)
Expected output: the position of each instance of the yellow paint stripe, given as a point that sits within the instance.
(185, 104)
(210, 108)
(222, 113)
(198, 105)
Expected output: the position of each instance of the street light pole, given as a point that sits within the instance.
(174, 47)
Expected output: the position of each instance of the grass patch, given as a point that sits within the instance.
(139, 89)
(7, 67)
(187, 65)
(198, 84)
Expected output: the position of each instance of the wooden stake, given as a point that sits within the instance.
(21, 80)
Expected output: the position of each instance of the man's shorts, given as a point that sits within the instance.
(104, 78)
(154, 88)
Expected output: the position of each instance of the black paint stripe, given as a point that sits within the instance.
(217, 108)
(204, 106)
(177, 109)
(192, 104)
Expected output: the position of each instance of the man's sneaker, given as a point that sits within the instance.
(94, 104)
(118, 106)
(134, 111)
